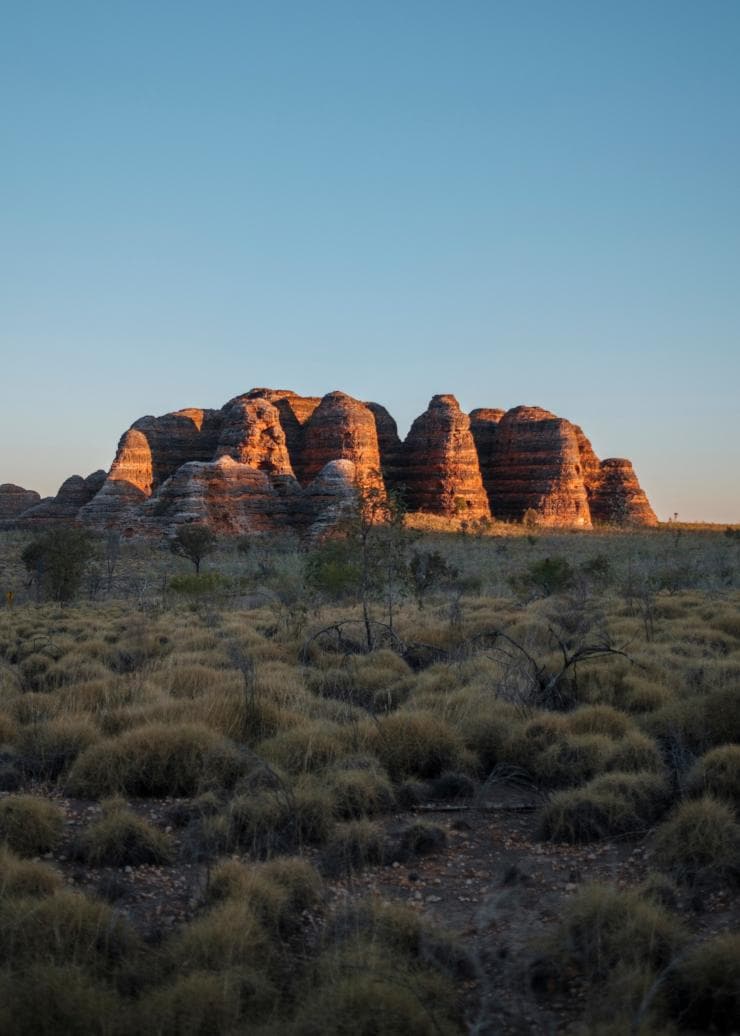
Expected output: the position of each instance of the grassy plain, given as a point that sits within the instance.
(518, 812)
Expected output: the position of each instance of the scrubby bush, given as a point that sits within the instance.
(718, 773)
(57, 559)
(121, 837)
(157, 759)
(29, 825)
(700, 841)
(546, 577)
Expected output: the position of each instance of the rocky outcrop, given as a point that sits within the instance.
(229, 496)
(536, 467)
(343, 428)
(73, 494)
(295, 412)
(329, 498)
(272, 460)
(441, 470)
(251, 433)
(617, 497)
(14, 500)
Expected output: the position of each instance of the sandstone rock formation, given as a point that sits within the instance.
(441, 470)
(343, 428)
(330, 497)
(272, 460)
(252, 433)
(14, 500)
(230, 496)
(73, 494)
(535, 466)
(617, 496)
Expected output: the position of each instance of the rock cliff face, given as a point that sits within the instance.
(73, 494)
(14, 500)
(272, 460)
(617, 496)
(535, 466)
(252, 434)
(343, 428)
(441, 470)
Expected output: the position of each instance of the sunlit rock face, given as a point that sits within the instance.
(271, 460)
(252, 433)
(617, 496)
(535, 466)
(343, 428)
(441, 469)
(14, 500)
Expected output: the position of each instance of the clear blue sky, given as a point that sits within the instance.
(518, 202)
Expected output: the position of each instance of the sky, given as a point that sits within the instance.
(515, 201)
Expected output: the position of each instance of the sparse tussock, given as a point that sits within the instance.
(29, 825)
(699, 842)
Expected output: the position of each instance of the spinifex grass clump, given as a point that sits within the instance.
(718, 774)
(609, 805)
(120, 837)
(29, 825)
(157, 760)
(699, 842)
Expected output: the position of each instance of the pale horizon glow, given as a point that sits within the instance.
(532, 203)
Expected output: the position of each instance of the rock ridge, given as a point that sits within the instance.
(272, 460)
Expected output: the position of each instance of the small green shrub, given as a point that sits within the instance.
(121, 837)
(700, 841)
(28, 825)
(546, 577)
